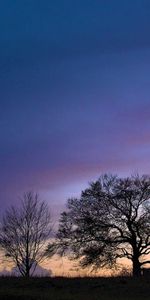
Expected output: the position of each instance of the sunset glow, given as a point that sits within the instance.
(74, 96)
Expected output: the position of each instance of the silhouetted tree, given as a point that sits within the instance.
(24, 231)
(111, 220)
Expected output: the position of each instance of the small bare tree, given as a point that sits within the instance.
(24, 231)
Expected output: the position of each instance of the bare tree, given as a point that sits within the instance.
(111, 220)
(24, 231)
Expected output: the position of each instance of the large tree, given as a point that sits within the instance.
(24, 231)
(110, 220)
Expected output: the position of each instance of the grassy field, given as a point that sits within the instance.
(74, 289)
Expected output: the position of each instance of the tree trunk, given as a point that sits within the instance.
(136, 267)
(27, 274)
(27, 267)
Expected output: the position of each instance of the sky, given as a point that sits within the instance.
(74, 95)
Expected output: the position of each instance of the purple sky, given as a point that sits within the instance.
(74, 95)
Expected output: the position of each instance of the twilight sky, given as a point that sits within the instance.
(74, 94)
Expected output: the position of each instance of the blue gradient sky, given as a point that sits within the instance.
(74, 94)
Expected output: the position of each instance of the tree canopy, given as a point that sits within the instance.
(110, 220)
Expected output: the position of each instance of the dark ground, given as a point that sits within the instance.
(121, 288)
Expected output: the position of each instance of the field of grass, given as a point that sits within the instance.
(74, 289)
